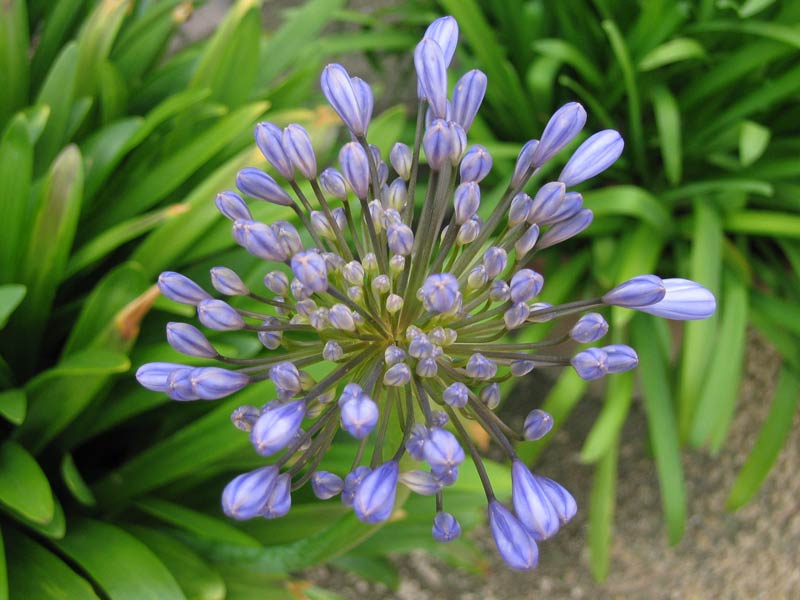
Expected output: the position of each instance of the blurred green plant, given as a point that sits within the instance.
(112, 147)
(706, 95)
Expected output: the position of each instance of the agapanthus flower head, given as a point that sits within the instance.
(403, 302)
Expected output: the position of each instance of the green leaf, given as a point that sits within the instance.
(10, 297)
(753, 141)
(16, 170)
(671, 52)
(57, 93)
(74, 481)
(14, 405)
(771, 438)
(94, 43)
(601, 513)
(35, 572)
(774, 31)
(119, 563)
(55, 529)
(607, 426)
(13, 57)
(3, 569)
(62, 17)
(668, 124)
(571, 55)
(763, 222)
(24, 488)
(104, 150)
(661, 425)
(630, 201)
(198, 580)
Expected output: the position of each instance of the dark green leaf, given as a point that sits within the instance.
(670, 52)
(75, 483)
(104, 150)
(13, 57)
(14, 405)
(16, 169)
(57, 93)
(10, 297)
(94, 43)
(668, 123)
(372, 568)
(631, 201)
(24, 488)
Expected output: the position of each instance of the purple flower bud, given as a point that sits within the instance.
(561, 500)
(570, 205)
(444, 31)
(469, 231)
(333, 183)
(528, 240)
(516, 316)
(546, 202)
(456, 395)
(279, 500)
(490, 395)
(326, 485)
(446, 477)
(352, 482)
(179, 288)
(475, 165)
(416, 441)
(366, 99)
(520, 368)
(593, 156)
(244, 417)
(567, 229)
(393, 355)
(437, 142)
(684, 300)
(590, 363)
(355, 167)
(621, 358)
(297, 144)
(515, 545)
(423, 483)
(269, 141)
(211, 383)
(432, 76)
(520, 208)
(374, 499)
(277, 427)
(495, 260)
(244, 497)
(232, 207)
(277, 282)
(466, 201)
(219, 315)
(400, 239)
(341, 317)
(227, 282)
(254, 182)
(531, 504)
(397, 375)
(440, 292)
(499, 291)
(467, 97)
(589, 328)
(445, 527)
(480, 367)
(332, 351)
(286, 377)
(524, 163)
(427, 367)
(154, 376)
(288, 237)
(525, 284)
(642, 290)
(397, 195)
(442, 450)
(538, 424)
(359, 416)
(401, 159)
(560, 130)
(337, 86)
(260, 240)
(310, 270)
(188, 339)
(477, 278)
(458, 142)
(180, 385)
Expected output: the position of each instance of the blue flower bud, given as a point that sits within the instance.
(341, 317)
(456, 395)
(277, 282)
(432, 76)
(440, 292)
(546, 202)
(516, 316)
(528, 240)
(442, 450)
(288, 237)
(180, 385)
(188, 339)
(401, 159)
(310, 270)
(333, 183)
(227, 282)
(269, 141)
(524, 163)
(416, 441)
(232, 207)
(531, 504)
(439, 418)
(179, 288)
(219, 315)
(642, 290)
(374, 499)
(397, 375)
(423, 483)
(560, 130)
(338, 90)
(350, 392)
(589, 328)
(277, 427)
(366, 99)
(525, 284)
(490, 396)
(299, 291)
(212, 383)
(393, 355)
(590, 363)
(495, 260)
(244, 497)
(570, 205)
(352, 482)
(499, 291)
(355, 168)
(467, 97)
(621, 358)
(561, 500)
(477, 278)
(480, 367)
(397, 195)
(466, 201)
(420, 346)
(260, 240)
(297, 144)
(279, 499)
(244, 417)
(520, 368)
(458, 142)
(326, 485)
(475, 165)
(567, 229)
(515, 545)
(684, 300)
(427, 367)
(359, 416)
(446, 477)
(400, 239)
(154, 376)
(437, 143)
(445, 527)
(520, 208)
(332, 351)
(286, 377)
(593, 156)
(538, 424)
(321, 226)
(469, 231)
(254, 182)
(444, 31)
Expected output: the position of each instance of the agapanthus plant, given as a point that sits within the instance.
(407, 306)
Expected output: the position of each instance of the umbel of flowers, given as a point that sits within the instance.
(405, 300)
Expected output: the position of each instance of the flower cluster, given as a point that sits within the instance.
(407, 303)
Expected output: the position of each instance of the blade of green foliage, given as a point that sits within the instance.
(668, 124)
(35, 572)
(74, 481)
(763, 222)
(3, 569)
(24, 488)
(571, 55)
(94, 43)
(606, 428)
(10, 297)
(103, 151)
(244, 583)
(119, 563)
(16, 169)
(771, 438)
(775, 31)
(13, 57)
(753, 141)
(673, 51)
(198, 579)
(57, 93)
(632, 201)
(14, 405)
(601, 513)
(63, 16)
(661, 425)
